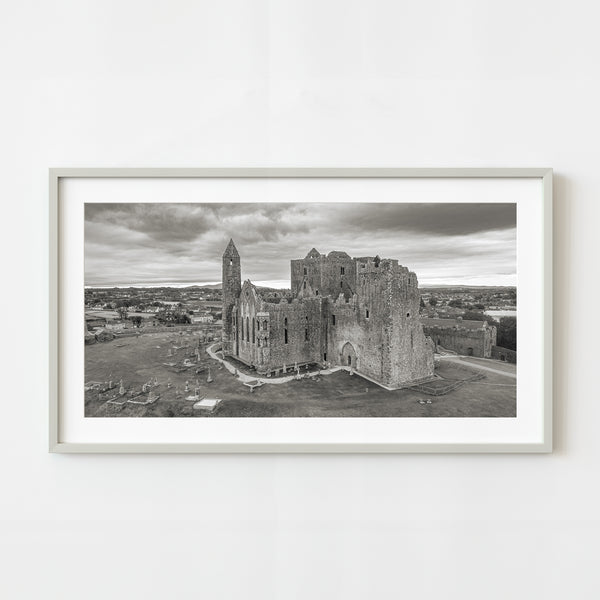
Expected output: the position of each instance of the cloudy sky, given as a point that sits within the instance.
(182, 244)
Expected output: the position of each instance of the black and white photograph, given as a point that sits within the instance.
(299, 300)
(300, 309)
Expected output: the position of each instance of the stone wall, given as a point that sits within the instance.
(269, 335)
(338, 275)
(504, 354)
(244, 325)
(302, 320)
(320, 275)
(346, 325)
(411, 351)
(380, 323)
(463, 340)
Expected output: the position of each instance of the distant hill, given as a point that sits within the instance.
(270, 290)
(166, 286)
(467, 287)
(212, 286)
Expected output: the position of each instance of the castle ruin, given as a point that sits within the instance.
(361, 313)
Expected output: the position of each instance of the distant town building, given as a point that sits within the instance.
(361, 313)
(202, 318)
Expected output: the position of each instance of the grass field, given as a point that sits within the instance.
(139, 359)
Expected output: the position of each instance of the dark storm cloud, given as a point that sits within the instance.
(183, 243)
(173, 223)
(160, 222)
(440, 219)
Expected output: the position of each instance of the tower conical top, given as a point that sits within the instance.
(231, 250)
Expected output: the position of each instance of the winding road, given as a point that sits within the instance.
(461, 360)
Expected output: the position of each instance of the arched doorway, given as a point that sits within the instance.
(349, 358)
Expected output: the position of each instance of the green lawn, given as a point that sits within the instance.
(138, 359)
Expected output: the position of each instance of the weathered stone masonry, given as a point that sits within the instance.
(357, 312)
(471, 338)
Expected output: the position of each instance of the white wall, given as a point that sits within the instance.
(298, 83)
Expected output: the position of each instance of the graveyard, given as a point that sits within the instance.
(174, 375)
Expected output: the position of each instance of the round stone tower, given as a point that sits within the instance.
(231, 287)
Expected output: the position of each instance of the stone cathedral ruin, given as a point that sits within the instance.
(361, 313)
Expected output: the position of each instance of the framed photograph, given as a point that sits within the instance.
(300, 310)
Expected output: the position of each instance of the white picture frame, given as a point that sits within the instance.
(534, 436)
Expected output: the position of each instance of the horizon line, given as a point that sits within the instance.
(266, 284)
